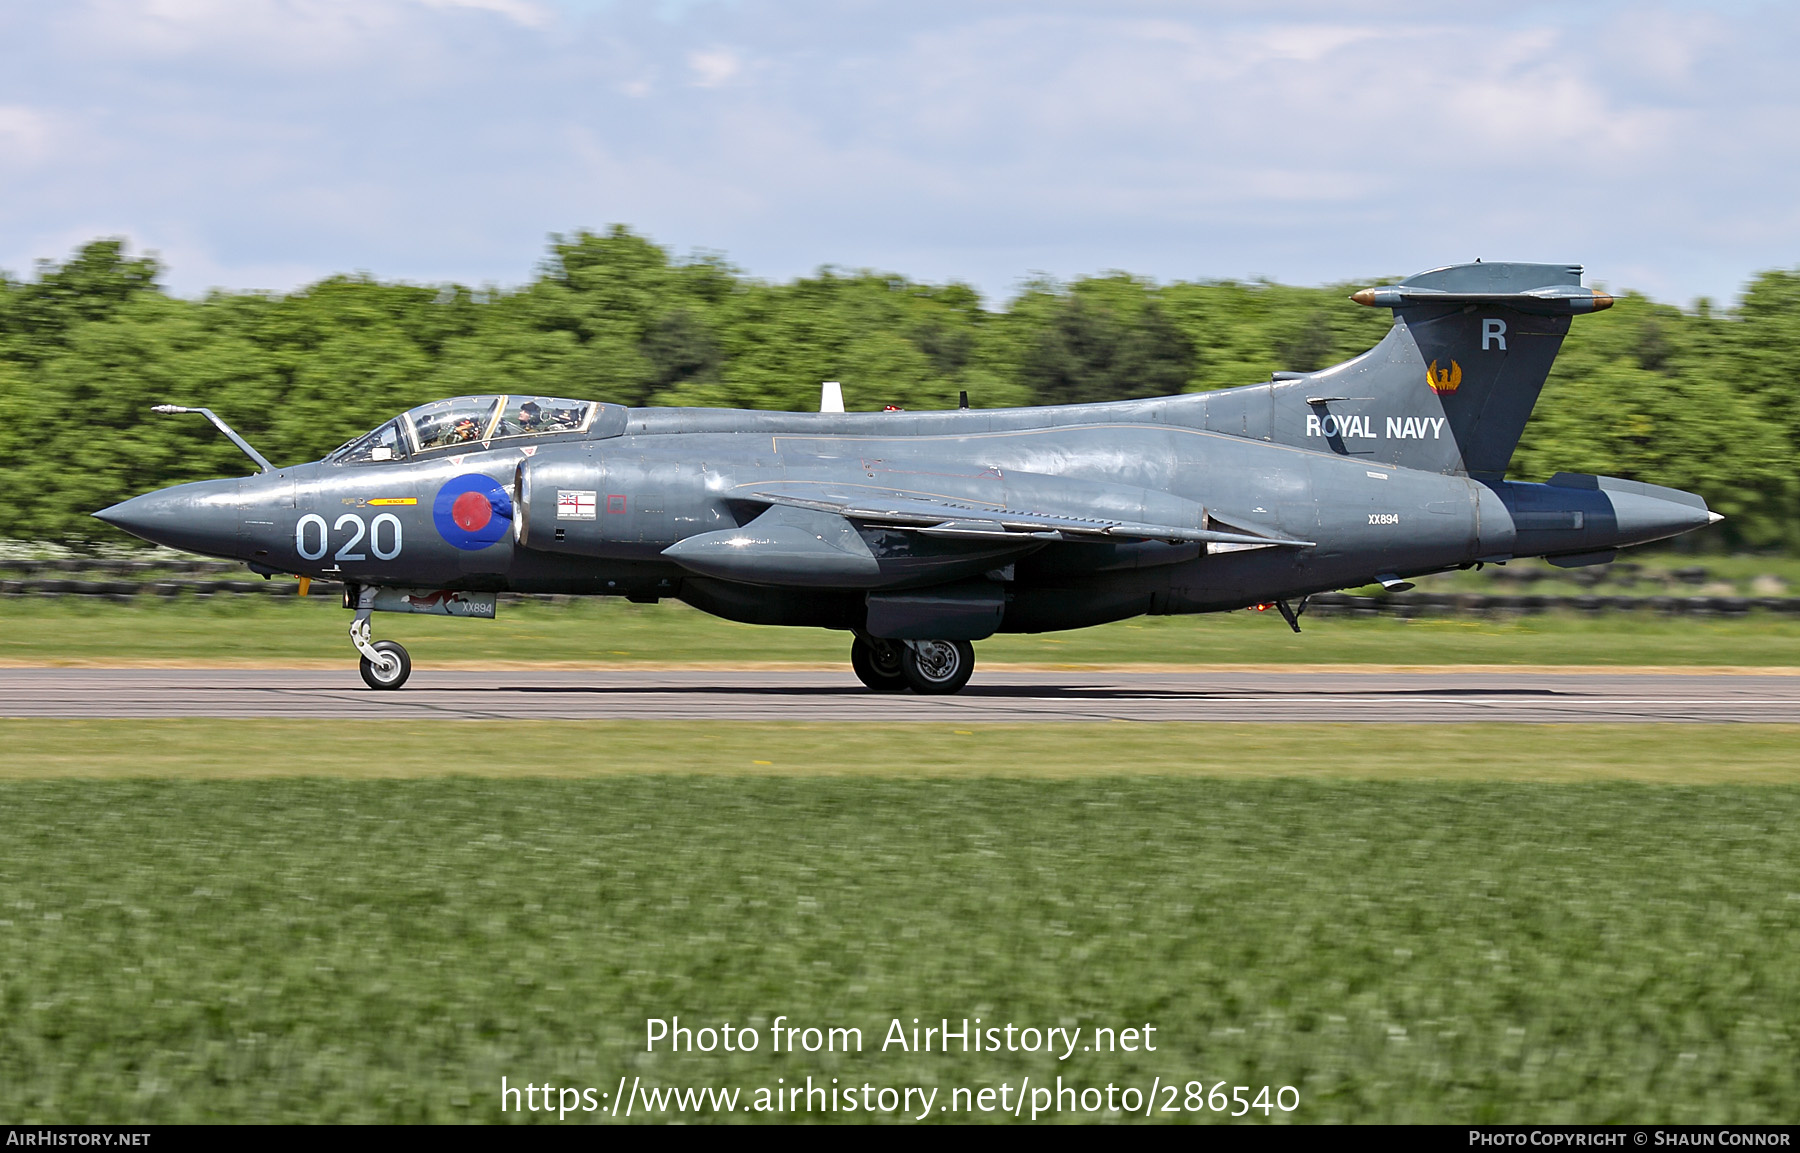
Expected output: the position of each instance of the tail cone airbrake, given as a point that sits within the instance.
(1585, 518)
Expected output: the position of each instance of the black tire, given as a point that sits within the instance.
(938, 667)
(381, 678)
(878, 665)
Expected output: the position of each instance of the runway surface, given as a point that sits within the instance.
(999, 695)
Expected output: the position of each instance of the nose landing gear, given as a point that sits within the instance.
(385, 664)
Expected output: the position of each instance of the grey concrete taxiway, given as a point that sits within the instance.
(996, 695)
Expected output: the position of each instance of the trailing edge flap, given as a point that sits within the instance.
(940, 517)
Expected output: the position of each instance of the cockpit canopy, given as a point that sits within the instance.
(469, 422)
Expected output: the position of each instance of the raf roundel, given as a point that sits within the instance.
(472, 511)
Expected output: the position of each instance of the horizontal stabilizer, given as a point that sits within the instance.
(1554, 300)
(939, 517)
(1541, 289)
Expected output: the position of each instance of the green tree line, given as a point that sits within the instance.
(1699, 400)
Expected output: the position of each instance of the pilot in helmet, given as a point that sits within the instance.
(531, 418)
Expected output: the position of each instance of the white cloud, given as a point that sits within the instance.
(1311, 43)
(25, 135)
(714, 67)
(310, 30)
(230, 35)
(525, 12)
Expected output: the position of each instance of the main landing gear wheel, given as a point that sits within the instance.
(937, 667)
(392, 670)
(877, 664)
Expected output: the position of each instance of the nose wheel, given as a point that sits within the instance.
(385, 664)
(389, 668)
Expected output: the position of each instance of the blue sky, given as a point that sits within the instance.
(266, 143)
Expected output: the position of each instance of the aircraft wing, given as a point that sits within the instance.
(943, 517)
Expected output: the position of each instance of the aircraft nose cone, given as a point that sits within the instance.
(201, 517)
(130, 515)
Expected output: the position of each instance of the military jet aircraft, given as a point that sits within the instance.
(920, 532)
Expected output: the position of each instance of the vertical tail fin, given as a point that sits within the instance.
(1451, 386)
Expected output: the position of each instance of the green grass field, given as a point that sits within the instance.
(252, 630)
(362, 750)
(1405, 923)
(205, 920)
(387, 951)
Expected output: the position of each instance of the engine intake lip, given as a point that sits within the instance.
(522, 506)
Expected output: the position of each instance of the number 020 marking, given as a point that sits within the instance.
(343, 552)
(386, 518)
(383, 550)
(310, 518)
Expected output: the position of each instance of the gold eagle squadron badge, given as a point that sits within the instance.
(1443, 380)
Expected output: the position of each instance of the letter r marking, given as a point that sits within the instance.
(1493, 329)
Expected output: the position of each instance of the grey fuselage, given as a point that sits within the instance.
(1247, 460)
